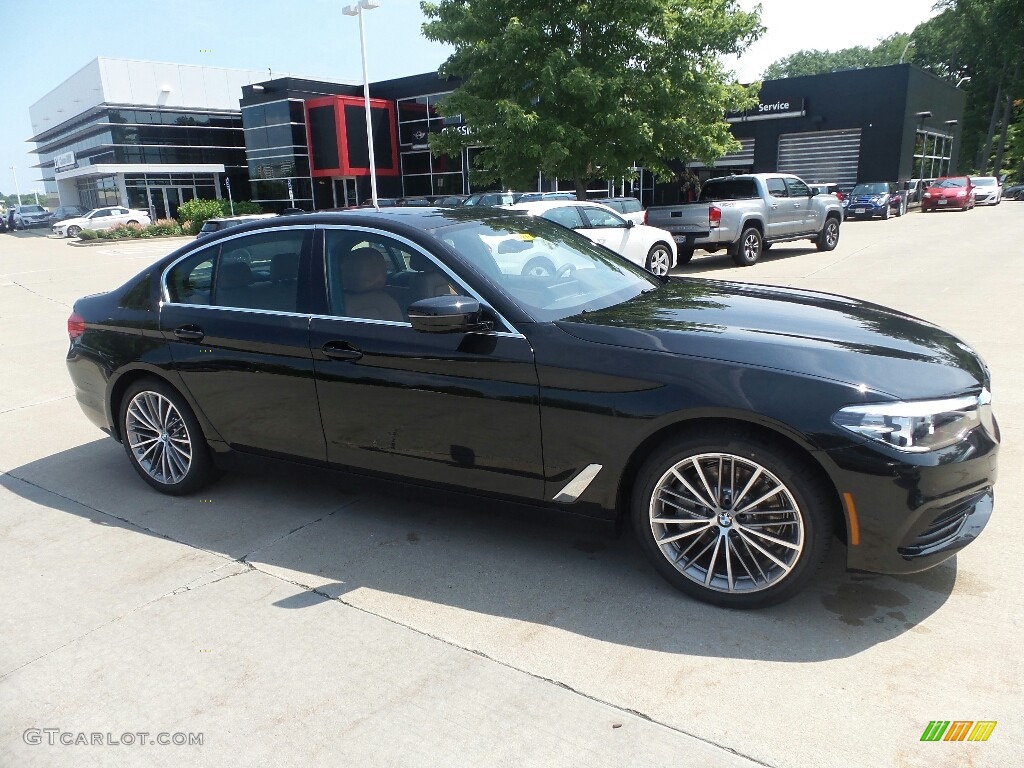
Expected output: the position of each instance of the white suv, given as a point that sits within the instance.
(100, 218)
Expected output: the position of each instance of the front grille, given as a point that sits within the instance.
(944, 527)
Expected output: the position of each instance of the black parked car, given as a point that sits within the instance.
(737, 426)
(65, 212)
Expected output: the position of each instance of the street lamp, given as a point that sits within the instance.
(921, 117)
(17, 189)
(357, 10)
(951, 125)
(961, 80)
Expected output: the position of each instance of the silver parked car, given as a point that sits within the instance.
(987, 190)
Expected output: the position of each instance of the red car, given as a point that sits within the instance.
(948, 192)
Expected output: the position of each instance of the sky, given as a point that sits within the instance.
(314, 38)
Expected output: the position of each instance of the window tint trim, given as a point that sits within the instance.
(421, 250)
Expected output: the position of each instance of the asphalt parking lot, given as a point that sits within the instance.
(302, 619)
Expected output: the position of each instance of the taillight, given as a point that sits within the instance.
(714, 216)
(841, 196)
(76, 326)
(646, 221)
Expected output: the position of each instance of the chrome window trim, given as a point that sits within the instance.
(419, 249)
(165, 296)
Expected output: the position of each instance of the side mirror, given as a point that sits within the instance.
(811, 192)
(630, 224)
(448, 314)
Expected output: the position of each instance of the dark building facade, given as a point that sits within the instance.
(881, 124)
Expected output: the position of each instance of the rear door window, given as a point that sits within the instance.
(777, 188)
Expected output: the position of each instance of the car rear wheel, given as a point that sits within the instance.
(747, 250)
(659, 259)
(732, 519)
(163, 439)
(133, 221)
(828, 238)
(74, 231)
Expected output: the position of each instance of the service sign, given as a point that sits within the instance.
(771, 110)
(64, 160)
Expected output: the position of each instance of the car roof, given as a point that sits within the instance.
(539, 206)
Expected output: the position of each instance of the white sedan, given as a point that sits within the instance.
(649, 247)
(100, 218)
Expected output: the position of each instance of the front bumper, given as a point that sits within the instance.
(854, 209)
(939, 203)
(910, 512)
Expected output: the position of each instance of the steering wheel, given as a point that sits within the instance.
(566, 270)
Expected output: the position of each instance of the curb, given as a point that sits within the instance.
(126, 241)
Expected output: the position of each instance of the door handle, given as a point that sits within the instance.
(341, 350)
(775, 206)
(189, 333)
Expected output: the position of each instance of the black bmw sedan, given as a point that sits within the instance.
(739, 428)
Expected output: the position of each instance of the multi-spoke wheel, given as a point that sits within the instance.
(162, 438)
(659, 259)
(732, 520)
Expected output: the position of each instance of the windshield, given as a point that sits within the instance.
(31, 209)
(551, 271)
(951, 183)
(986, 181)
(871, 189)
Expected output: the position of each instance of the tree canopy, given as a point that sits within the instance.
(813, 62)
(583, 89)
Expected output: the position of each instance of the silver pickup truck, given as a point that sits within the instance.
(748, 214)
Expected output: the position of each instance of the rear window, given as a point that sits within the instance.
(210, 226)
(631, 206)
(728, 189)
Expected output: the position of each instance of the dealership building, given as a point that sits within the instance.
(152, 135)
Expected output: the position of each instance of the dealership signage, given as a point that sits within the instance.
(770, 110)
(64, 160)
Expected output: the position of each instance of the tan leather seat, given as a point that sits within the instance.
(364, 273)
(428, 281)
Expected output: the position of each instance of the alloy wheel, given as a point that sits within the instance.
(659, 261)
(158, 437)
(726, 523)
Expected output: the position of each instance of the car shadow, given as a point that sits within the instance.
(333, 535)
(709, 262)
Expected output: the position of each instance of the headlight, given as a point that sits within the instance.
(962, 193)
(927, 194)
(920, 425)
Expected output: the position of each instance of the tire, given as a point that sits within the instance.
(747, 250)
(684, 256)
(828, 238)
(132, 221)
(709, 554)
(74, 231)
(539, 266)
(659, 259)
(886, 213)
(163, 439)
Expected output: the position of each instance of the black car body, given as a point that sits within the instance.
(66, 212)
(675, 401)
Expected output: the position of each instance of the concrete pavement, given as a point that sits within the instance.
(297, 620)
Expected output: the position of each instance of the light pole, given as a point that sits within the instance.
(357, 10)
(951, 124)
(905, 48)
(17, 189)
(921, 117)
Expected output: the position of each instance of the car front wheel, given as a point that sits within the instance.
(659, 259)
(828, 238)
(163, 439)
(74, 231)
(732, 519)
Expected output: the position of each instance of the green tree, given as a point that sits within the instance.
(888, 50)
(583, 89)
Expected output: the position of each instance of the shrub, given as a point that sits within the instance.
(197, 211)
(242, 208)
(165, 228)
(88, 234)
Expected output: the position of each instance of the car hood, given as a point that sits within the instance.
(78, 221)
(806, 332)
(946, 191)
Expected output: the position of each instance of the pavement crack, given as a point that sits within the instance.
(514, 668)
(40, 295)
(33, 405)
(245, 558)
